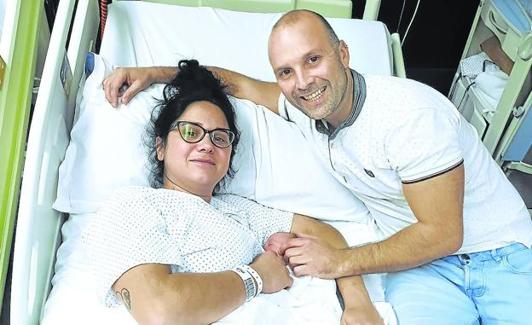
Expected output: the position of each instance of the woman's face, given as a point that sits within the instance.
(195, 167)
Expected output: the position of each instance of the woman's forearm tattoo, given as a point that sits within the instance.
(126, 297)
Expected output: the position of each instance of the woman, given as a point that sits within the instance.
(176, 253)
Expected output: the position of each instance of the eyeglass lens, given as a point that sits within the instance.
(193, 133)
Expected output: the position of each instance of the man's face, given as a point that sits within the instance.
(310, 70)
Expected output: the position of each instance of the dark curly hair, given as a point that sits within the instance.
(192, 84)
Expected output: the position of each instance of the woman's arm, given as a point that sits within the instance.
(154, 295)
(358, 306)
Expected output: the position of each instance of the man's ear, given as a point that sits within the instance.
(159, 146)
(343, 50)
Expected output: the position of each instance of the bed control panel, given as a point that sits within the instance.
(66, 75)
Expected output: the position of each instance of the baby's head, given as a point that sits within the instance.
(278, 242)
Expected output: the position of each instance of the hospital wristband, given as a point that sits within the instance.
(250, 286)
(256, 277)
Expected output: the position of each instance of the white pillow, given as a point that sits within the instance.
(273, 164)
(105, 150)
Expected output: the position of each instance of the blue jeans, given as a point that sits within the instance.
(490, 287)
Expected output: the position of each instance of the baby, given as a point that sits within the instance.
(277, 242)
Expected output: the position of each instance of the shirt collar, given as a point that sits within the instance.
(359, 96)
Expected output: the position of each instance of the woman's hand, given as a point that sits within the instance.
(273, 272)
(361, 315)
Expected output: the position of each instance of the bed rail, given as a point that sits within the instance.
(38, 225)
(15, 101)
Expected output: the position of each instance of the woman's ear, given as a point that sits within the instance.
(159, 146)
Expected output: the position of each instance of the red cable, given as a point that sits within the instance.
(103, 16)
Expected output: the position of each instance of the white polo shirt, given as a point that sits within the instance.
(402, 131)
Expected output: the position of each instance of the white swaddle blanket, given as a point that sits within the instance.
(308, 301)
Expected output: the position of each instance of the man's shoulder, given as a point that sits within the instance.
(392, 86)
(395, 98)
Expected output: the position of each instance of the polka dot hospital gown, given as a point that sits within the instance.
(141, 225)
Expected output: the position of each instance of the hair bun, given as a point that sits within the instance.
(188, 64)
(191, 77)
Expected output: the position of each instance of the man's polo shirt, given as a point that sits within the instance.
(401, 131)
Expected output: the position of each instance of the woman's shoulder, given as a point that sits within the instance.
(124, 212)
(125, 202)
(133, 205)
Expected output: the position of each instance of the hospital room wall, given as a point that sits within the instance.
(436, 39)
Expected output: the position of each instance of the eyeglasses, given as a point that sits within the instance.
(193, 133)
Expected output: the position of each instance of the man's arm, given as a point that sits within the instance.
(241, 86)
(358, 305)
(437, 204)
(154, 295)
(125, 83)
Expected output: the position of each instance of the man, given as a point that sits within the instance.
(458, 234)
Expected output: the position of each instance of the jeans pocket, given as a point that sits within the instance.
(520, 261)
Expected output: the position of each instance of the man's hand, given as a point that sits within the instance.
(361, 315)
(273, 272)
(307, 256)
(125, 83)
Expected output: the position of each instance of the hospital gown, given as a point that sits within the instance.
(142, 225)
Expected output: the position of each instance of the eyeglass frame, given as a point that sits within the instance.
(232, 135)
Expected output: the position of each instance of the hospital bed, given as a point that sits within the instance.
(141, 30)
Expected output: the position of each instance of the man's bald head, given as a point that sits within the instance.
(311, 66)
(295, 16)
